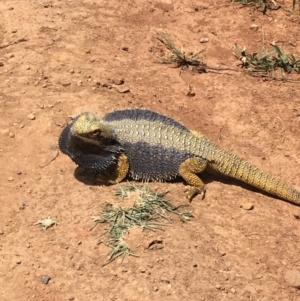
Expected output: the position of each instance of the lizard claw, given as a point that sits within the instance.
(192, 191)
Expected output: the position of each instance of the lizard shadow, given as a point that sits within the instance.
(89, 177)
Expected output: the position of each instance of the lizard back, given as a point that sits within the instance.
(155, 144)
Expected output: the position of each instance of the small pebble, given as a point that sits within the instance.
(10, 179)
(248, 206)
(45, 279)
(18, 262)
(31, 116)
(119, 81)
(204, 40)
(12, 135)
(122, 89)
(125, 48)
(5, 132)
(66, 84)
(143, 270)
(164, 279)
(218, 286)
(254, 27)
(21, 206)
(1, 64)
(292, 277)
(232, 291)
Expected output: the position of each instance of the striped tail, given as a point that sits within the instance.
(240, 169)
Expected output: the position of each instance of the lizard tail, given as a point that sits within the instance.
(240, 169)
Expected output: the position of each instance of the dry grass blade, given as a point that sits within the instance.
(178, 56)
(268, 62)
(261, 5)
(147, 212)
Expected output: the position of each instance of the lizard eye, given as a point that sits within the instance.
(95, 132)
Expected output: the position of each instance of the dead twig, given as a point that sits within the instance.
(14, 43)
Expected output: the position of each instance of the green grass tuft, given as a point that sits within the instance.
(149, 211)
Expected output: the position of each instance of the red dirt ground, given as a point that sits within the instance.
(53, 55)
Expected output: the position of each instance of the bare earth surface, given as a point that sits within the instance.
(55, 59)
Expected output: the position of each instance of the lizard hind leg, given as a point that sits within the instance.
(188, 170)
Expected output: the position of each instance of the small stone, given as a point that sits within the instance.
(71, 298)
(218, 286)
(292, 277)
(248, 206)
(125, 48)
(45, 279)
(254, 27)
(122, 89)
(18, 262)
(18, 172)
(142, 270)
(204, 40)
(56, 38)
(31, 116)
(5, 132)
(164, 279)
(1, 232)
(66, 84)
(12, 135)
(1, 64)
(119, 81)
(10, 179)
(21, 206)
(79, 83)
(155, 288)
(190, 92)
(232, 290)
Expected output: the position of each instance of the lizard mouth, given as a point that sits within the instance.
(96, 154)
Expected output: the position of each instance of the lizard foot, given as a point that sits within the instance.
(192, 191)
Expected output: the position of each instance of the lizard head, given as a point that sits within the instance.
(91, 129)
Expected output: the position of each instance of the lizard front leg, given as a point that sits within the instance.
(188, 171)
(119, 174)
